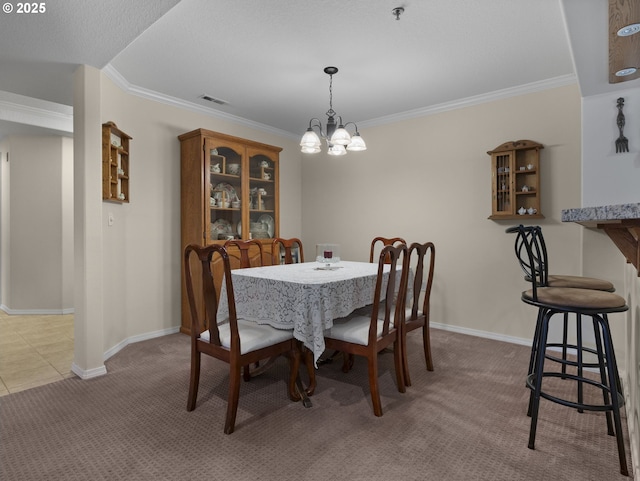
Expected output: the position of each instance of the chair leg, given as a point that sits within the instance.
(234, 394)
(347, 362)
(311, 370)
(579, 356)
(534, 351)
(613, 355)
(246, 373)
(537, 375)
(565, 328)
(426, 341)
(603, 375)
(405, 359)
(398, 358)
(294, 366)
(372, 361)
(194, 380)
(612, 368)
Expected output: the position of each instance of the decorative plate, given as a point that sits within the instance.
(227, 188)
(268, 222)
(220, 226)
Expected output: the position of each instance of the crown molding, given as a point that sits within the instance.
(533, 87)
(30, 111)
(132, 89)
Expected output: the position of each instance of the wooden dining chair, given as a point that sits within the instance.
(237, 342)
(241, 257)
(368, 335)
(245, 253)
(392, 241)
(416, 314)
(288, 246)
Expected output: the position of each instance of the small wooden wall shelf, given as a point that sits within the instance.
(115, 163)
(515, 181)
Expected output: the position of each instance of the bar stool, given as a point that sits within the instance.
(554, 280)
(585, 302)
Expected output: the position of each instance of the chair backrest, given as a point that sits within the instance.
(396, 258)
(240, 254)
(392, 241)
(531, 252)
(425, 257)
(199, 276)
(289, 247)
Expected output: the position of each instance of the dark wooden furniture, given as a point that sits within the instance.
(416, 315)
(292, 248)
(582, 302)
(238, 343)
(245, 253)
(384, 241)
(229, 189)
(368, 335)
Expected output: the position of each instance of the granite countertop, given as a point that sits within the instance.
(602, 214)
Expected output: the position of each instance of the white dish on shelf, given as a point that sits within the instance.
(220, 226)
(268, 222)
(228, 189)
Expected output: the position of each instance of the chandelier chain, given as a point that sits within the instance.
(331, 112)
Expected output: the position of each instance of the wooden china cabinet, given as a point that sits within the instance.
(229, 190)
(515, 181)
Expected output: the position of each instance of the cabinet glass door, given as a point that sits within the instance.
(502, 185)
(263, 195)
(223, 162)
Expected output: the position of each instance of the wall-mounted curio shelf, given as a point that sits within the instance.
(515, 181)
(115, 163)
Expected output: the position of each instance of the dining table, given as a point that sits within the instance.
(306, 297)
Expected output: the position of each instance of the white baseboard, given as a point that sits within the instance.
(140, 337)
(484, 334)
(88, 373)
(37, 312)
(101, 370)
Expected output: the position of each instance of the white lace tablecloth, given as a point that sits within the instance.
(301, 297)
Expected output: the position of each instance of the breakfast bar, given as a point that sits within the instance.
(620, 222)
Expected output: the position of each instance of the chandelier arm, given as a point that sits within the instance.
(317, 125)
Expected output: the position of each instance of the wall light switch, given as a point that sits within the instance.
(110, 219)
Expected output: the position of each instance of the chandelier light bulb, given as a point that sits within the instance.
(336, 150)
(356, 144)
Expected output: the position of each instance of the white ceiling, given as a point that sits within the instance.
(266, 57)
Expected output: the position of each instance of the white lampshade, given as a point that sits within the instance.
(310, 139)
(357, 143)
(340, 136)
(337, 150)
(310, 150)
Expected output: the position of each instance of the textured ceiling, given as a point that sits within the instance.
(265, 58)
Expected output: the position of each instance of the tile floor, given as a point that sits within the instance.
(34, 350)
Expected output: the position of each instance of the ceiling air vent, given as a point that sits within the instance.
(214, 100)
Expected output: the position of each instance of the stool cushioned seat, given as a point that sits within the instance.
(579, 282)
(581, 299)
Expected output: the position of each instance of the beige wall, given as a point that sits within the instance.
(36, 217)
(428, 179)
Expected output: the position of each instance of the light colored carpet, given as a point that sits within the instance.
(464, 421)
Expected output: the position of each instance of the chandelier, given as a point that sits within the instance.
(336, 135)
